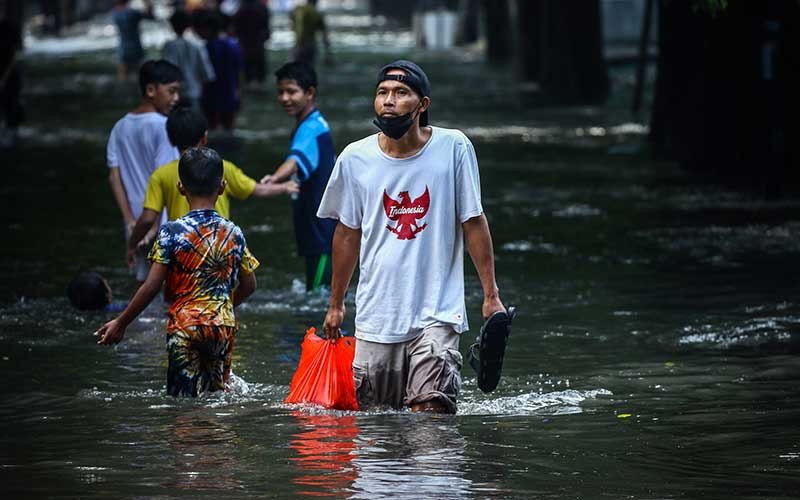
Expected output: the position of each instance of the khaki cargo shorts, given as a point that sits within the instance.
(427, 368)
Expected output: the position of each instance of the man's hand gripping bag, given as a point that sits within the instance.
(325, 373)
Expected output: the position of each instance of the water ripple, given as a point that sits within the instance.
(552, 403)
(750, 333)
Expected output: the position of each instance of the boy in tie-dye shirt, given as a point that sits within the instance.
(201, 256)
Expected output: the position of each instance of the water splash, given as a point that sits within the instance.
(751, 333)
(538, 246)
(553, 134)
(532, 403)
(237, 392)
(577, 210)
(727, 246)
(517, 246)
(294, 299)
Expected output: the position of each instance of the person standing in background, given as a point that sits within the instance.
(130, 49)
(139, 144)
(191, 58)
(251, 25)
(306, 23)
(310, 161)
(222, 97)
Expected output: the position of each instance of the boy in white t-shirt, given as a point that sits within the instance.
(407, 199)
(138, 144)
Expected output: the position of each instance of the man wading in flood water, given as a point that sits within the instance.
(406, 200)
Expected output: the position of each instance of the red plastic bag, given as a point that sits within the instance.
(325, 373)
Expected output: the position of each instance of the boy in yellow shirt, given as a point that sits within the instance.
(186, 129)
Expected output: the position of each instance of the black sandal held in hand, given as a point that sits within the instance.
(491, 347)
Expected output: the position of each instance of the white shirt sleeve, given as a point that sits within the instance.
(468, 182)
(166, 152)
(342, 200)
(111, 150)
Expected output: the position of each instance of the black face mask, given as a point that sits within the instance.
(396, 126)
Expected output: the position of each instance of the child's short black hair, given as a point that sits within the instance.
(88, 291)
(299, 71)
(186, 127)
(209, 22)
(158, 72)
(180, 21)
(200, 170)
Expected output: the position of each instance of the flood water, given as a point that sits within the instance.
(655, 355)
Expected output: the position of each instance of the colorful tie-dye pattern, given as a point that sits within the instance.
(205, 254)
(199, 359)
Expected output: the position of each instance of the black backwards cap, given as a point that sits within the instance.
(414, 78)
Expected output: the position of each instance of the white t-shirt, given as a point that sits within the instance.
(410, 212)
(138, 145)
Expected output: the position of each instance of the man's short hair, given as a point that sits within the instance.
(200, 170)
(89, 291)
(180, 21)
(186, 127)
(158, 72)
(299, 71)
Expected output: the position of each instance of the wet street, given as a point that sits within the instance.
(655, 355)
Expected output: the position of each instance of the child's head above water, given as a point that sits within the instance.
(160, 72)
(297, 88)
(89, 291)
(180, 21)
(200, 171)
(160, 82)
(302, 73)
(186, 128)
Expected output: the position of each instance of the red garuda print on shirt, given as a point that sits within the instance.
(406, 213)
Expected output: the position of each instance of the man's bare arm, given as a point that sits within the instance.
(144, 229)
(120, 196)
(143, 225)
(479, 245)
(268, 189)
(247, 285)
(113, 331)
(284, 171)
(346, 245)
